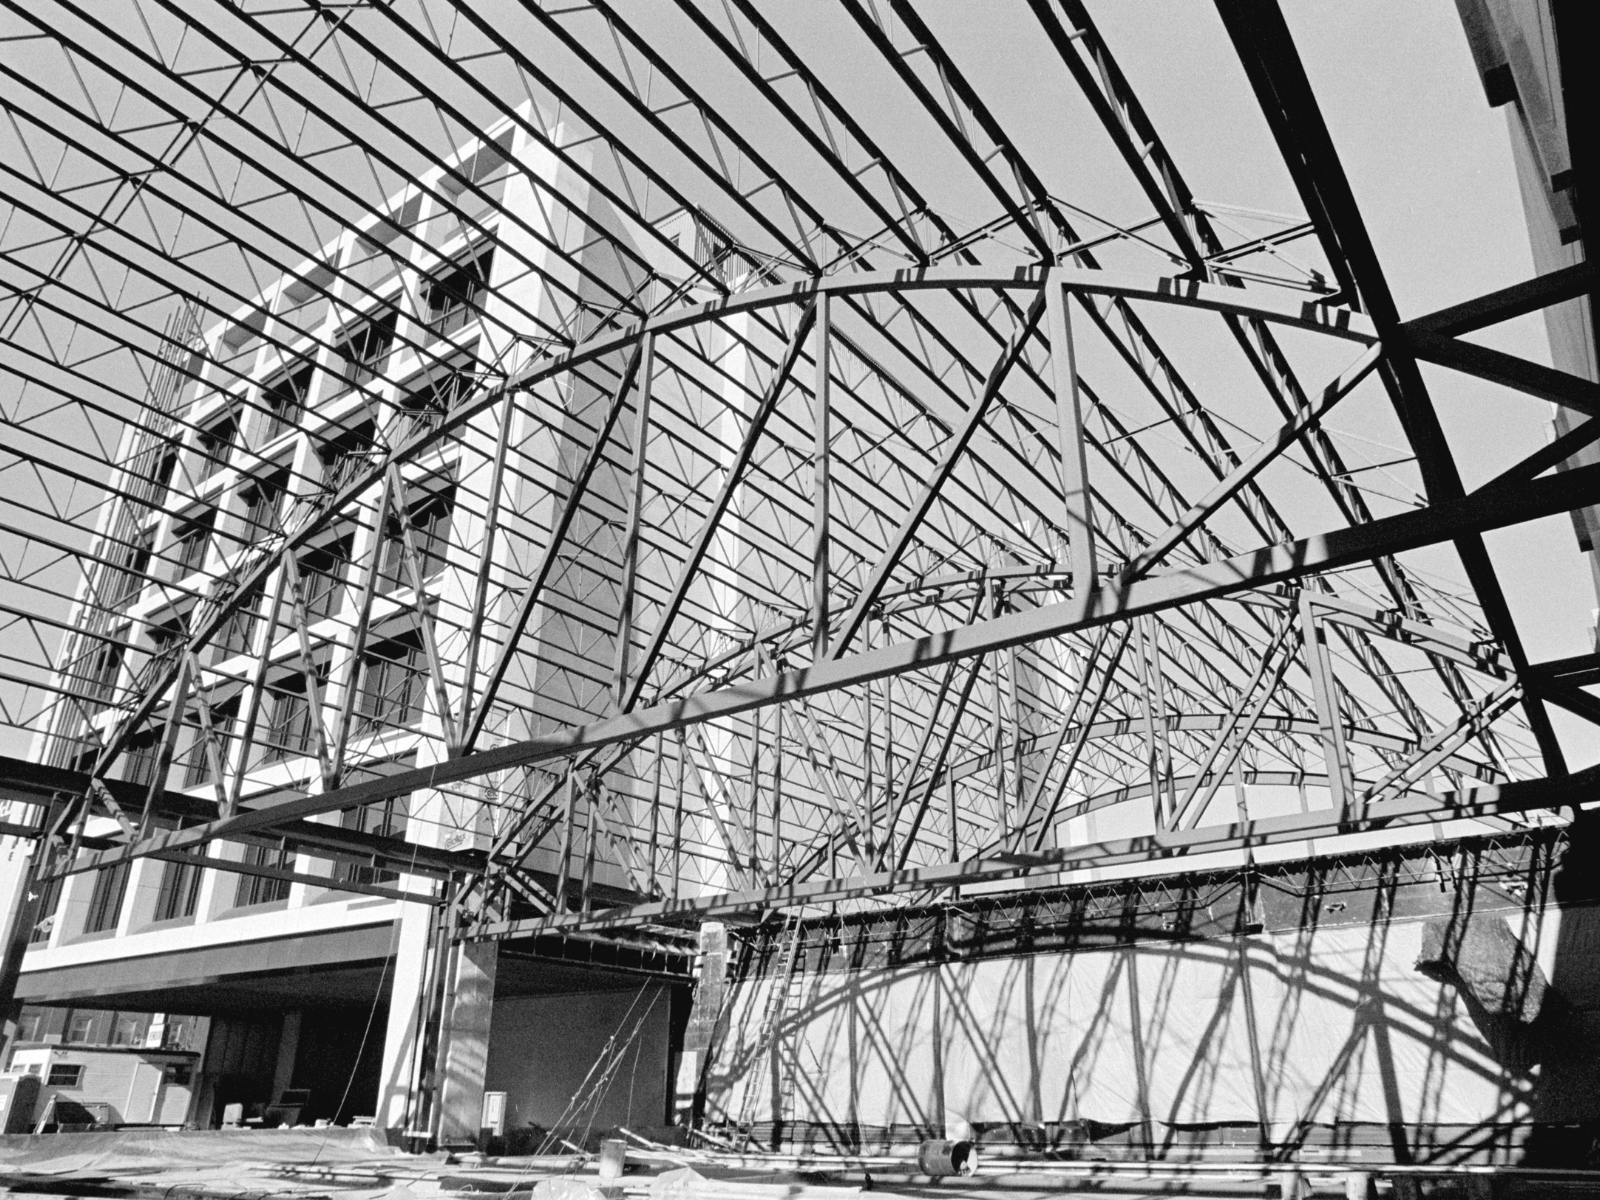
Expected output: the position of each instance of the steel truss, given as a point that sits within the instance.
(687, 515)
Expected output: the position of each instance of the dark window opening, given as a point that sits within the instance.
(179, 893)
(289, 724)
(455, 296)
(197, 758)
(342, 454)
(45, 919)
(323, 572)
(192, 539)
(139, 757)
(284, 397)
(101, 669)
(387, 818)
(263, 500)
(166, 468)
(428, 509)
(105, 901)
(238, 629)
(216, 444)
(432, 396)
(258, 889)
(392, 677)
(65, 1075)
(363, 349)
(129, 578)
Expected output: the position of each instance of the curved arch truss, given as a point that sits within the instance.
(691, 460)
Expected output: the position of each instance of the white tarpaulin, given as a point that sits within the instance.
(1346, 1030)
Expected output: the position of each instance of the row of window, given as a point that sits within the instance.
(323, 572)
(429, 505)
(178, 894)
(451, 300)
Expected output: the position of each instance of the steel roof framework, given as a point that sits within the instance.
(903, 594)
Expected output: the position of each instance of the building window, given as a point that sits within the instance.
(102, 669)
(284, 397)
(140, 756)
(105, 901)
(455, 296)
(215, 444)
(263, 499)
(179, 893)
(289, 722)
(257, 889)
(65, 1075)
(392, 674)
(429, 505)
(322, 577)
(29, 1026)
(239, 627)
(176, 1034)
(79, 1027)
(387, 818)
(430, 396)
(161, 477)
(363, 349)
(343, 453)
(125, 1030)
(177, 1074)
(191, 540)
(197, 757)
(128, 580)
(45, 921)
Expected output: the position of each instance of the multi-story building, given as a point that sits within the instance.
(347, 659)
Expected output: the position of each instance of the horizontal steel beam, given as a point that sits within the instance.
(1482, 510)
(1508, 370)
(36, 783)
(1162, 847)
(1568, 283)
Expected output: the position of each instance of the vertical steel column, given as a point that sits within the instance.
(564, 871)
(358, 640)
(480, 595)
(586, 883)
(308, 666)
(820, 531)
(868, 741)
(955, 838)
(755, 794)
(1069, 429)
(1324, 692)
(677, 821)
(655, 812)
(1169, 793)
(430, 645)
(1152, 758)
(169, 738)
(777, 795)
(253, 709)
(208, 732)
(888, 734)
(1019, 785)
(630, 544)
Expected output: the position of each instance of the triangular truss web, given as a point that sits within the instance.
(709, 466)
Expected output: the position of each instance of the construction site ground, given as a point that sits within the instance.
(362, 1164)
